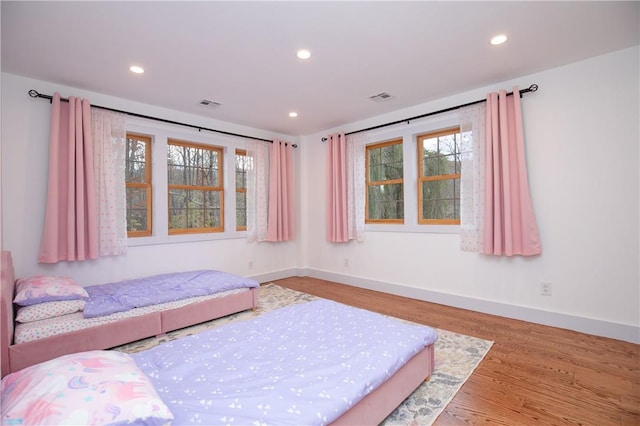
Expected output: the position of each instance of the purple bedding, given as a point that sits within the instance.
(106, 299)
(304, 364)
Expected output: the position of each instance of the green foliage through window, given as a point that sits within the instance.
(195, 188)
(385, 187)
(439, 177)
(138, 185)
(243, 163)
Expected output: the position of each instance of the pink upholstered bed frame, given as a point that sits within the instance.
(18, 356)
(371, 410)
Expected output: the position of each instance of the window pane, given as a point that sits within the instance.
(385, 163)
(441, 163)
(441, 209)
(137, 209)
(374, 157)
(191, 209)
(188, 165)
(430, 166)
(135, 163)
(241, 209)
(441, 155)
(241, 178)
(448, 163)
(386, 201)
(441, 199)
(243, 163)
(447, 145)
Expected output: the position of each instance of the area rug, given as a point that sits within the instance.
(457, 356)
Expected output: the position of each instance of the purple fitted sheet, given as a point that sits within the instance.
(304, 364)
(106, 299)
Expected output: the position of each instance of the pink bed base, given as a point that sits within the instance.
(376, 406)
(371, 410)
(18, 356)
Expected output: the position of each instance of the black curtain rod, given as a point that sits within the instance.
(35, 94)
(532, 88)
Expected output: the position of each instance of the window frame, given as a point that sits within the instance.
(219, 188)
(148, 184)
(368, 183)
(421, 179)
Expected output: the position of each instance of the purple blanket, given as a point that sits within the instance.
(304, 364)
(106, 299)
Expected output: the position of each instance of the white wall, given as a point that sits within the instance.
(582, 139)
(25, 128)
(582, 136)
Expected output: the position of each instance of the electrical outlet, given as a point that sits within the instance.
(251, 264)
(346, 262)
(545, 288)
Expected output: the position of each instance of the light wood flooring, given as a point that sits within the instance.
(533, 374)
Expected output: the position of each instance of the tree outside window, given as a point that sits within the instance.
(243, 163)
(195, 183)
(138, 185)
(439, 177)
(385, 187)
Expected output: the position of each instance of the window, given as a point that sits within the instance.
(243, 163)
(439, 177)
(385, 192)
(138, 185)
(196, 194)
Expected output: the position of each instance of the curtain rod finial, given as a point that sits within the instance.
(33, 93)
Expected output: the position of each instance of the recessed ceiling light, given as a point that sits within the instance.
(293, 114)
(303, 54)
(499, 39)
(136, 69)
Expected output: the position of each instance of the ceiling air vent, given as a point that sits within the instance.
(380, 97)
(209, 103)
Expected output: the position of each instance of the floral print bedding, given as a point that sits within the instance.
(87, 388)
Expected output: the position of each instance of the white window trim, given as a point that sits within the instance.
(409, 133)
(160, 133)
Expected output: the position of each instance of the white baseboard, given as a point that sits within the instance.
(592, 326)
(278, 275)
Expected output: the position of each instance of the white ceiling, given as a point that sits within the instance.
(242, 54)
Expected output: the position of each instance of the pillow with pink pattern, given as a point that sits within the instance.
(45, 288)
(95, 387)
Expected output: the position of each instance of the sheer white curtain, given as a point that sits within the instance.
(257, 190)
(109, 144)
(356, 196)
(472, 180)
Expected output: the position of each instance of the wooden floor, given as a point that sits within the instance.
(533, 374)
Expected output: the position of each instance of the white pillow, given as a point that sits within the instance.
(48, 310)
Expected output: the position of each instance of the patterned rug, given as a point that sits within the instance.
(457, 355)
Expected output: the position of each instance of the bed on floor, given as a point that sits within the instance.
(313, 363)
(39, 337)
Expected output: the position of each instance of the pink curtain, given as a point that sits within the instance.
(337, 189)
(70, 226)
(510, 223)
(281, 220)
